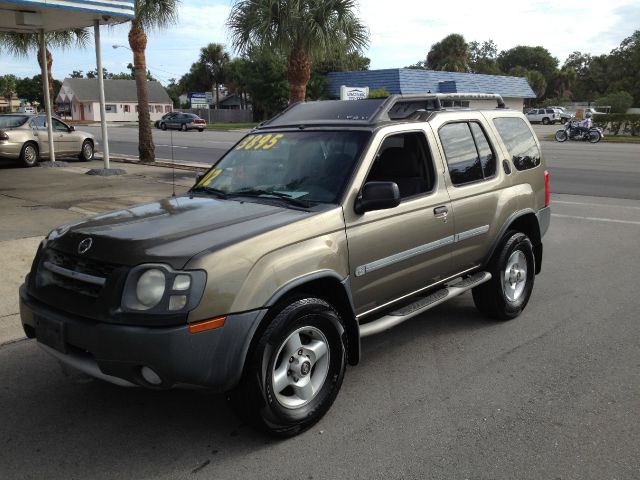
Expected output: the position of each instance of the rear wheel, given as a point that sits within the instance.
(86, 153)
(513, 273)
(29, 155)
(201, 130)
(183, 127)
(295, 369)
(561, 136)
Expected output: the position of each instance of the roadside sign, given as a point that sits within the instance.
(353, 93)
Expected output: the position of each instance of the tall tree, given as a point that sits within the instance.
(450, 54)
(8, 88)
(301, 29)
(483, 58)
(531, 58)
(215, 60)
(24, 44)
(150, 14)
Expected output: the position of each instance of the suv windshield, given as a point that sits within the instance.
(308, 165)
(12, 121)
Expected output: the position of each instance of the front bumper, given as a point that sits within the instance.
(117, 353)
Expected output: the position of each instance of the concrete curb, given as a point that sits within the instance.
(160, 162)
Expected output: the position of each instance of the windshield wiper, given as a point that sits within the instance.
(252, 192)
(215, 191)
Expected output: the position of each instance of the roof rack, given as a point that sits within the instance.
(369, 111)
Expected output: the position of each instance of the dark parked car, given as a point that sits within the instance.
(184, 122)
(164, 117)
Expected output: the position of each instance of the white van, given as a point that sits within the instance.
(29, 110)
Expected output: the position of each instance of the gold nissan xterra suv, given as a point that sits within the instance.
(333, 221)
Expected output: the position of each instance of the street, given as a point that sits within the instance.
(448, 395)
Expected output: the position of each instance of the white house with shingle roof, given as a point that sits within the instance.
(121, 99)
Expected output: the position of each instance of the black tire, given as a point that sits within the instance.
(256, 400)
(545, 121)
(594, 136)
(561, 136)
(86, 152)
(163, 126)
(29, 155)
(183, 127)
(201, 130)
(491, 298)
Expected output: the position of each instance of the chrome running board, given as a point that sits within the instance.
(422, 304)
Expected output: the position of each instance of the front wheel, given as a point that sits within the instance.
(594, 136)
(561, 136)
(513, 272)
(545, 121)
(295, 369)
(163, 126)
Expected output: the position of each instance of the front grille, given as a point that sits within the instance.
(70, 272)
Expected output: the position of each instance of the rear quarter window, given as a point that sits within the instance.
(520, 142)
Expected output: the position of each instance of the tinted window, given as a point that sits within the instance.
(487, 158)
(38, 122)
(519, 140)
(59, 126)
(12, 121)
(405, 160)
(468, 152)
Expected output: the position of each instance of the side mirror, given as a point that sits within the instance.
(72, 128)
(377, 196)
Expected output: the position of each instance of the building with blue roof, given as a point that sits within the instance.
(406, 80)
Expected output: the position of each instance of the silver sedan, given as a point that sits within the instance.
(25, 137)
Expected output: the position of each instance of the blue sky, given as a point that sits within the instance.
(400, 35)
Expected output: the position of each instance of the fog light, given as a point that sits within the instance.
(177, 302)
(150, 376)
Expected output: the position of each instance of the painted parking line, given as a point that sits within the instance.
(563, 202)
(596, 219)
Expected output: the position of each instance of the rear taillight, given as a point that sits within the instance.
(3, 135)
(547, 189)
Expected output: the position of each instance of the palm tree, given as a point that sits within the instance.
(149, 14)
(450, 54)
(215, 60)
(23, 44)
(301, 29)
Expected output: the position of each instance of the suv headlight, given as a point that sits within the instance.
(161, 289)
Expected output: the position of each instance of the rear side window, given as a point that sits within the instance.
(468, 152)
(519, 140)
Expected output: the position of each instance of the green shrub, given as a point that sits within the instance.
(618, 101)
(619, 123)
(378, 93)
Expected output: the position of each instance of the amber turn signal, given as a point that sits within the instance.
(207, 325)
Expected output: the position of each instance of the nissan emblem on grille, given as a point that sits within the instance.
(85, 245)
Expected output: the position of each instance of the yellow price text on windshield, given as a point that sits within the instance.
(206, 180)
(259, 142)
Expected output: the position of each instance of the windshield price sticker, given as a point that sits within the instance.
(206, 180)
(259, 142)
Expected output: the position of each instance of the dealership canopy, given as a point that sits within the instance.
(40, 16)
(49, 15)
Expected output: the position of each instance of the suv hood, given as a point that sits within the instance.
(172, 230)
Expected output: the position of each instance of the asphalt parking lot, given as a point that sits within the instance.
(554, 393)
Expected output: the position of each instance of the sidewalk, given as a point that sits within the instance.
(33, 201)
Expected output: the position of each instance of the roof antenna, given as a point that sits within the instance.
(173, 166)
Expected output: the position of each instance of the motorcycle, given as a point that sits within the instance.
(571, 132)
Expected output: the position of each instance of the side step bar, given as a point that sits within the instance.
(423, 304)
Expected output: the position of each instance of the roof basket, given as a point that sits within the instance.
(399, 107)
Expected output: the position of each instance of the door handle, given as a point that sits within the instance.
(442, 210)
